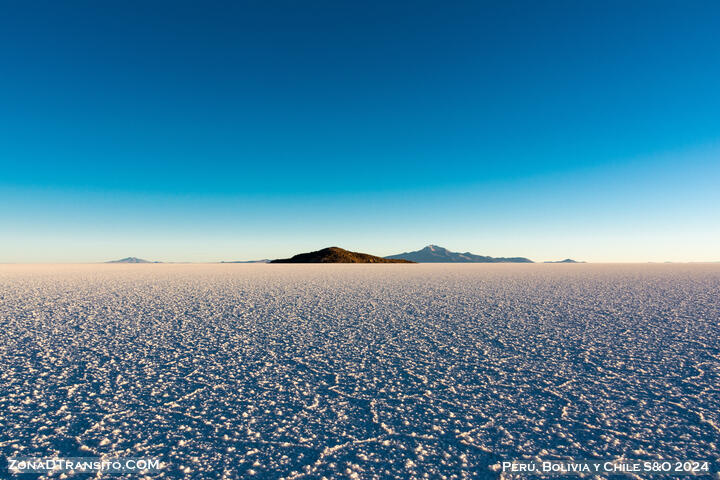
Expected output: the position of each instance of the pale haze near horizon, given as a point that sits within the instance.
(545, 218)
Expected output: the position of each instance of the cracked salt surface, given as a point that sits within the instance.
(359, 371)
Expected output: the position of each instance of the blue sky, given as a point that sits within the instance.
(203, 131)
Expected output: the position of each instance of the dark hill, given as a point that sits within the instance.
(337, 255)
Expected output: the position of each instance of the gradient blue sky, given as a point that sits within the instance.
(203, 131)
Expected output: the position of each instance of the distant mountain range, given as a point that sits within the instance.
(337, 255)
(429, 254)
(264, 260)
(131, 260)
(435, 254)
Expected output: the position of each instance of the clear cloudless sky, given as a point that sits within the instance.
(208, 130)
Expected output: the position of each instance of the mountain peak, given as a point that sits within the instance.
(130, 260)
(436, 254)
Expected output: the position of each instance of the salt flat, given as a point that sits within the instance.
(359, 371)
